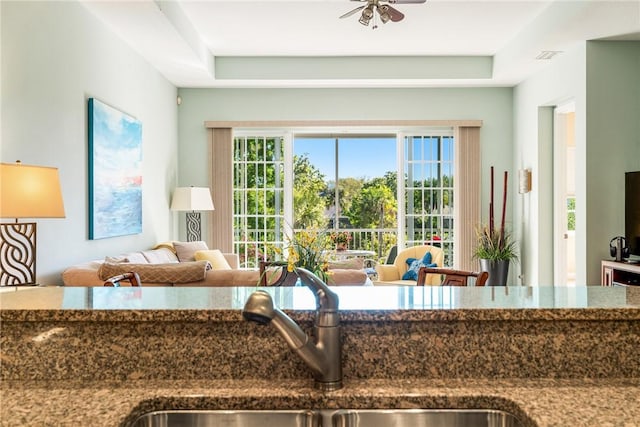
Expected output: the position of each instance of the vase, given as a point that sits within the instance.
(286, 278)
(498, 271)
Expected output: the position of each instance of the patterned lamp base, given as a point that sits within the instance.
(18, 253)
(193, 227)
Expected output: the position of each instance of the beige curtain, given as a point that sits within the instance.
(220, 227)
(467, 189)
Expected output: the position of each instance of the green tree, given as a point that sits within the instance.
(374, 207)
(389, 180)
(309, 188)
(348, 188)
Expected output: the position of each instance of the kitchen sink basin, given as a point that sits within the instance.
(193, 418)
(330, 418)
(423, 418)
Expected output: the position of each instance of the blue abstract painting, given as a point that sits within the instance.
(115, 172)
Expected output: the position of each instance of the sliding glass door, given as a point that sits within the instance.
(289, 182)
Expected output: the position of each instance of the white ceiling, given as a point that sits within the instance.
(196, 43)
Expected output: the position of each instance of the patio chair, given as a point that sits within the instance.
(392, 274)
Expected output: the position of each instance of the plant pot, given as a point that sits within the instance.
(498, 271)
(286, 278)
(341, 246)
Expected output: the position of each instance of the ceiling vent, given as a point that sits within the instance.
(547, 54)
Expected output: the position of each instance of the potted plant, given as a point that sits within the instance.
(495, 248)
(304, 249)
(340, 239)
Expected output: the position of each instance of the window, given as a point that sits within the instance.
(365, 199)
(428, 162)
(571, 213)
(258, 196)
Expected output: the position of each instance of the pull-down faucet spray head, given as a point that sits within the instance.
(259, 308)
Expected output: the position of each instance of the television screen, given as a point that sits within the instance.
(632, 211)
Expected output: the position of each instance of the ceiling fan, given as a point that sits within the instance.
(384, 11)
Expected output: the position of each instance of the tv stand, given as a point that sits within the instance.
(620, 274)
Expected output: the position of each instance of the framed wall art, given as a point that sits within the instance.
(115, 172)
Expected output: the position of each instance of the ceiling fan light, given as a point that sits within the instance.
(384, 17)
(367, 14)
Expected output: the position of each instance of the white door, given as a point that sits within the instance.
(564, 195)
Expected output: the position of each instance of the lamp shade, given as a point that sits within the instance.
(30, 192)
(192, 199)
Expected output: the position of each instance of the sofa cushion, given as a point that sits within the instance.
(346, 277)
(215, 257)
(116, 259)
(183, 272)
(160, 256)
(186, 250)
(347, 264)
(135, 258)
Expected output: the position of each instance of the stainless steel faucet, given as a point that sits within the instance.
(323, 356)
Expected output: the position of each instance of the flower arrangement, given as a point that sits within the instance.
(307, 249)
(340, 239)
(491, 243)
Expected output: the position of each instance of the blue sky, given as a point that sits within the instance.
(359, 157)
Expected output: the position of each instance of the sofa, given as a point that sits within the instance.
(409, 261)
(187, 264)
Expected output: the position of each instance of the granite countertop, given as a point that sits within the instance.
(595, 383)
(542, 403)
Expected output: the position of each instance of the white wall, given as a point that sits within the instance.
(55, 55)
(613, 142)
(603, 78)
(561, 80)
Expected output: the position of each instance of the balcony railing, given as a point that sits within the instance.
(379, 241)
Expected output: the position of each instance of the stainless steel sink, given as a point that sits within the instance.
(191, 418)
(331, 418)
(423, 418)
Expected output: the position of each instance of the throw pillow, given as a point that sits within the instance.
(158, 273)
(115, 259)
(415, 264)
(215, 257)
(167, 245)
(186, 251)
(160, 256)
(135, 258)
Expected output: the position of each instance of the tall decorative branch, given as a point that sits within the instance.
(491, 223)
(504, 207)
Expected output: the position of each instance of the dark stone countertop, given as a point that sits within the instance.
(103, 356)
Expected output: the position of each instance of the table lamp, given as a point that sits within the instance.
(25, 192)
(192, 199)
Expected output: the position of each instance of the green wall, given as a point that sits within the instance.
(491, 105)
(613, 141)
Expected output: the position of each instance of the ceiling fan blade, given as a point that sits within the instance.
(406, 1)
(351, 12)
(394, 13)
